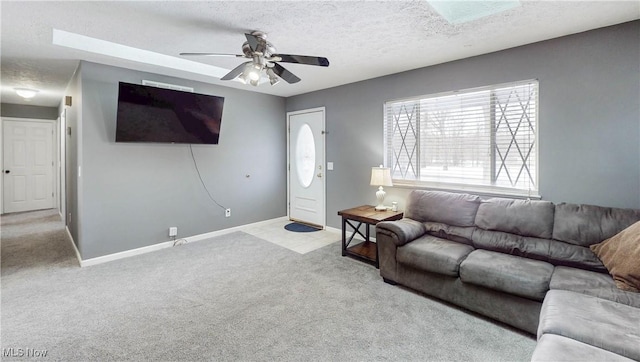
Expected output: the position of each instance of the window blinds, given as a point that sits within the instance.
(481, 139)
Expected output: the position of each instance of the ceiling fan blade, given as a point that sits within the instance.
(213, 55)
(285, 74)
(253, 41)
(235, 72)
(303, 59)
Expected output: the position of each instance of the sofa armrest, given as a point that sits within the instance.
(401, 231)
(389, 236)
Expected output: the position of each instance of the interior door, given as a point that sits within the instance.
(27, 165)
(306, 166)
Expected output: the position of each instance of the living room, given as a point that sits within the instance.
(122, 197)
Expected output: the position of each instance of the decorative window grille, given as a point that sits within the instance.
(481, 139)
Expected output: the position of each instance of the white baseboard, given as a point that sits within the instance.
(125, 254)
(232, 229)
(333, 230)
(164, 245)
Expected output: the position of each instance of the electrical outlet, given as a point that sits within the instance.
(227, 213)
(173, 231)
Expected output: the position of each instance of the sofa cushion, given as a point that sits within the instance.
(587, 224)
(598, 322)
(430, 253)
(507, 273)
(552, 347)
(454, 233)
(506, 243)
(552, 251)
(521, 217)
(443, 207)
(565, 254)
(621, 255)
(599, 285)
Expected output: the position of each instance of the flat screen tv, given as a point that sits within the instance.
(159, 115)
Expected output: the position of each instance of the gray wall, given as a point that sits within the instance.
(130, 194)
(589, 117)
(28, 111)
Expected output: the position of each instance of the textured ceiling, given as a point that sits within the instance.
(362, 39)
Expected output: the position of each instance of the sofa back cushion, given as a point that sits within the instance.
(521, 217)
(553, 251)
(442, 207)
(461, 234)
(587, 224)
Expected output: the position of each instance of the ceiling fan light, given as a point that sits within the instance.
(26, 93)
(244, 77)
(273, 78)
(254, 75)
(254, 82)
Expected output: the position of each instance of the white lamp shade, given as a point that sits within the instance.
(381, 176)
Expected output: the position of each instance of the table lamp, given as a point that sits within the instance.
(381, 176)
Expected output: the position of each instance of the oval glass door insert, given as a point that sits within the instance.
(305, 155)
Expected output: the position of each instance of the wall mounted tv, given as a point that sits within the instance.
(159, 115)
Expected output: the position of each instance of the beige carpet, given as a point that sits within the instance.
(234, 297)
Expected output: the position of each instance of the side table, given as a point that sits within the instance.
(366, 215)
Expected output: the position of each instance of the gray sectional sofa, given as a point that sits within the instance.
(525, 263)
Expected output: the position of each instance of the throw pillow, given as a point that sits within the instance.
(620, 254)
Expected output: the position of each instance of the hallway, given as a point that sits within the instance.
(32, 242)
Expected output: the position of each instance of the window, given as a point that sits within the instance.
(482, 140)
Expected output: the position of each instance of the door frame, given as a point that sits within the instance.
(55, 145)
(324, 160)
(61, 137)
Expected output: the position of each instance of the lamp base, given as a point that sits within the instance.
(380, 194)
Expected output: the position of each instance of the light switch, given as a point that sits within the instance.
(329, 166)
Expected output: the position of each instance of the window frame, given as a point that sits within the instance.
(488, 190)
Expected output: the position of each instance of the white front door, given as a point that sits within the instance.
(306, 166)
(27, 165)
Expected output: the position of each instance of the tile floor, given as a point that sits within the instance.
(299, 242)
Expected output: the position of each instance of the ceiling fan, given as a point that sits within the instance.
(264, 57)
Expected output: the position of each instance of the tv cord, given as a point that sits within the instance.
(201, 181)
